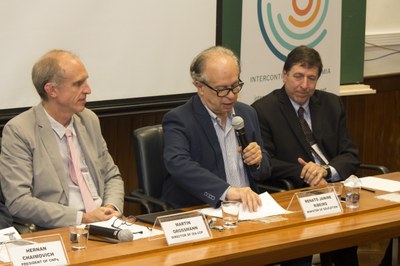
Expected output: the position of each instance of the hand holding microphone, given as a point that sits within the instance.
(254, 153)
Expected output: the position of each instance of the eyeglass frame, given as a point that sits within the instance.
(125, 221)
(240, 84)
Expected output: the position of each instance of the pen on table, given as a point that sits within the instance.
(368, 189)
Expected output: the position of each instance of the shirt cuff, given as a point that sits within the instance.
(223, 196)
(79, 217)
(334, 175)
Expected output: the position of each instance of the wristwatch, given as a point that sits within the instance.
(328, 169)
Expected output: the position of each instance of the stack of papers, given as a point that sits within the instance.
(380, 184)
(269, 207)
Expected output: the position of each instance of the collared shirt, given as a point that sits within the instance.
(235, 173)
(307, 116)
(74, 197)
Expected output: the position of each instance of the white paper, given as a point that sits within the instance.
(394, 197)
(380, 184)
(269, 207)
(134, 228)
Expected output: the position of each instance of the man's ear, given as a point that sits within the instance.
(199, 86)
(284, 76)
(50, 89)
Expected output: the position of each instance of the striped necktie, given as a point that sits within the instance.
(308, 133)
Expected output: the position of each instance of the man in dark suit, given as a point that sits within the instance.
(201, 151)
(328, 155)
(282, 134)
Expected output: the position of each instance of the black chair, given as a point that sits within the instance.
(148, 143)
(273, 186)
(380, 169)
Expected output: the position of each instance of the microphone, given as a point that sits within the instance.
(238, 125)
(123, 235)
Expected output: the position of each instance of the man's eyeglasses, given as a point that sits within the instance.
(223, 91)
(128, 221)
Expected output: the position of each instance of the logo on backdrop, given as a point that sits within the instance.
(284, 29)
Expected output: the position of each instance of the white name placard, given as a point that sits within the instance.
(30, 253)
(320, 204)
(185, 229)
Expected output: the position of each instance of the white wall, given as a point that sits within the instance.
(131, 48)
(383, 31)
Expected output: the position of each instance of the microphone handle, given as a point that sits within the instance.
(241, 135)
(104, 231)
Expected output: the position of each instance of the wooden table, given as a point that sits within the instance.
(256, 243)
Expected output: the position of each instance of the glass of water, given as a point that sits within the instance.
(230, 213)
(79, 235)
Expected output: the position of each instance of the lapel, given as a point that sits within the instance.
(88, 150)
(203, 118)
(48, 141)
(316, 117)
(291, 117)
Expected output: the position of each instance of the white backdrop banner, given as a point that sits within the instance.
(131, 48)
(272, 28)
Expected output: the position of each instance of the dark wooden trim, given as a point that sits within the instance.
(384, 83)
(118, 107)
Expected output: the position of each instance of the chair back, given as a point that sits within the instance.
(149, 145)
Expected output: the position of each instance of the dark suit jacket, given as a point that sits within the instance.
(193, 156)
(5, 216)
(285, 142)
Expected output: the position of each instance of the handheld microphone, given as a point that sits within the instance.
(123, 235)
(238, 125)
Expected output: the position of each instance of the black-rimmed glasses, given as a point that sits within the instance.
(128, 221)
(223, 91)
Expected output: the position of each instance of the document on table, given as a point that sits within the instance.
(139, 231)
(269, 208)
(380, 184)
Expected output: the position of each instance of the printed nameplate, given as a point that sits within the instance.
(322, 204)
(31, 253)
(186, 229)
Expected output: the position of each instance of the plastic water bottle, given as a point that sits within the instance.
(352, 188)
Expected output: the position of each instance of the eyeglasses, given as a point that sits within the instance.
(128, 221)
(223, 91)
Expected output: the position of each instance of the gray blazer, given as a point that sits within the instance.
(33, 178)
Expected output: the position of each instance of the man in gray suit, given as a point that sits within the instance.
(35, 159)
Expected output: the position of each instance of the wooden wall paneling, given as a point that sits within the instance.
(355, 110)
(382, 129)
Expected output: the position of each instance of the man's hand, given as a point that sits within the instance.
(312, 173)
(252, 154)
(100, 214)
(250, 200)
